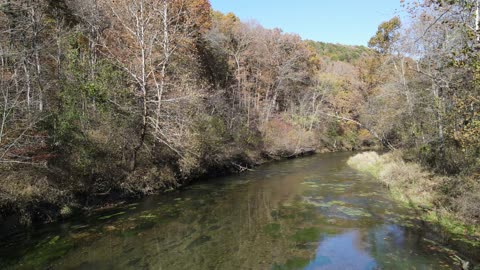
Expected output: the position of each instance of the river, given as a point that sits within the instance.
(307, 213)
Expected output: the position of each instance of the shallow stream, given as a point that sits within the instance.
(307, 213)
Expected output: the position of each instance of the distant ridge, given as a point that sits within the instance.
(339, 52)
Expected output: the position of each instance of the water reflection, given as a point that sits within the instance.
(311, 213)
(385, 247)
(343, 251)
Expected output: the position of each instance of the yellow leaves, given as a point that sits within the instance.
(364, 135)
(465, 117)
(386, 35)
(225, 22)
(199, 12)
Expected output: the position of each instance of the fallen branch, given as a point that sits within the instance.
(241, 168)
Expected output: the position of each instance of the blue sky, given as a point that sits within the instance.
(350, 22)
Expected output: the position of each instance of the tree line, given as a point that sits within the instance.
(137, 96)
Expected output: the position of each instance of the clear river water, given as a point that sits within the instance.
(307, 213)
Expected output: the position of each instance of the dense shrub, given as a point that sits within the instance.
(23, 191)
(282, 138)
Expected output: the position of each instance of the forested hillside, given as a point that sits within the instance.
(339, 52)
(104, 98)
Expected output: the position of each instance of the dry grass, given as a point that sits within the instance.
(24, 190)
(459, 197)
(407, 181)
(150, 180)
(366, 162)
(467, 200)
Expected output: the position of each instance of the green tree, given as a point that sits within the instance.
(387, 34)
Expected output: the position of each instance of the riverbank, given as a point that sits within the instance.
(312, 212)
(33, 195)
(447, 204)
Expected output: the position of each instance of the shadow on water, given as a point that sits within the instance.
(308, 213)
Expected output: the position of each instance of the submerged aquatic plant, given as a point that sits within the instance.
(112, 215)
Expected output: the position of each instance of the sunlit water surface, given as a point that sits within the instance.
(308, 213)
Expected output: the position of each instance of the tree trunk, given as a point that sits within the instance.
(143, 86)
(166, 54)
(477, 21)
(28, 82)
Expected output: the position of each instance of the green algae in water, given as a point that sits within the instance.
(311, 184)
(78, 227)
(272, 229)
(332, 221)
(287, 204)
(54, 240)
(307, 235)
(199, 241)
(333, 186)
(46, 252)
(337, 203)
(111, 216)
(214, 228)
(139, 228)
(309, 202)
(293, 264)
(148, 216)
(312, 202)
(133, 204)
(353, 212)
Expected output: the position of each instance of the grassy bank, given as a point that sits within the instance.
(450, 203)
